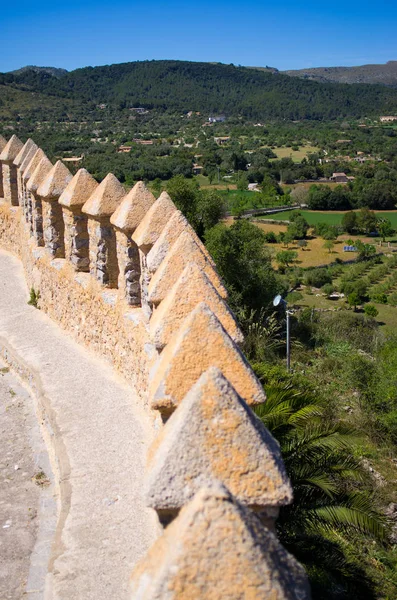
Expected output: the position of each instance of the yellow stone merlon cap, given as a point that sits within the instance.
(3, 143)
(183, 251)
(133, 208)
(22, 154)
(200, 343)
(55, 182)
(105, 198)
(153, 223)
(11, 149)
(31, 166)
(39, 174)
(26, 161)
(214, 435)
(78, 190)
(176, 225)
(217, 548)
(191, 288)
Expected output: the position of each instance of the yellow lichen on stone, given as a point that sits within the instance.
(191, 288)
(200, 343)
(213, 434)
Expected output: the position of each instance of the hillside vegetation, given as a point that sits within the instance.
(385, 74)
(184, 86)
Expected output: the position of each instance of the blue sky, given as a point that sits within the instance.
(286, 35)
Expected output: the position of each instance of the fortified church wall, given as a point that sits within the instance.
(129, 278)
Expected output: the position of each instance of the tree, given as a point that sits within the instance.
(371, 310)
(209, 210)
(244, 262)
(349, 222)
(385, 228)
(288, 237)
(298, 226)
(302, 244)
(364, 250)
(329, 245)
(353, 300)
(286, 257)
(366, 220)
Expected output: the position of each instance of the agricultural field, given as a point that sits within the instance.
(296, 155)
(330, 217)
(376, 277)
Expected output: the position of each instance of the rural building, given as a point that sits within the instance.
(339, 177)
(123, 149)
(217, 119)
(388, 119)
(197, 169)
(221, 140)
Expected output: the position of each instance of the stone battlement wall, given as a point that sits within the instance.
(129, 278)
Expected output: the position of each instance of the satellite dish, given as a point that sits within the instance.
(277, 300)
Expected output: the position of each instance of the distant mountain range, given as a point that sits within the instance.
(384, 74)
(251, 92)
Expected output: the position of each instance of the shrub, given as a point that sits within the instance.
(371, 310)
(317, 277)
(379, 298)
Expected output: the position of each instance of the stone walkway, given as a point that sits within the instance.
(97, 436)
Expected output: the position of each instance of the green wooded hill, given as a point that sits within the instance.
(208, 88)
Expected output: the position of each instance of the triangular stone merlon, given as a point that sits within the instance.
(217, 548)
(130, 212)
(183, 251)
(176, 225)
(200, 343)
(191, 288)
(11, 150)
(153, 223)
(214, 435)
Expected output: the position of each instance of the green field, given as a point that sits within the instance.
(332, 218)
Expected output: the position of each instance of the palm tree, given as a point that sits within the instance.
(329, 505)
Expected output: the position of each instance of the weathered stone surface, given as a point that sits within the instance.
(105, 198)
(153, 223)
(53, 228)
(129, 268)
(3, 143)
(24, 151)
(183, 251)
(76, 239)
(39, 174)
(133, 208)
(176, 225)
(55, 182)
(34, 209)
(191, 288)
(9, 170)
(103, 252)
(214, 435)
(29, 157)
(200, 343)
(27, 151)
(29, 168)
(78, 190)
(11, 149)
(217, 549)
